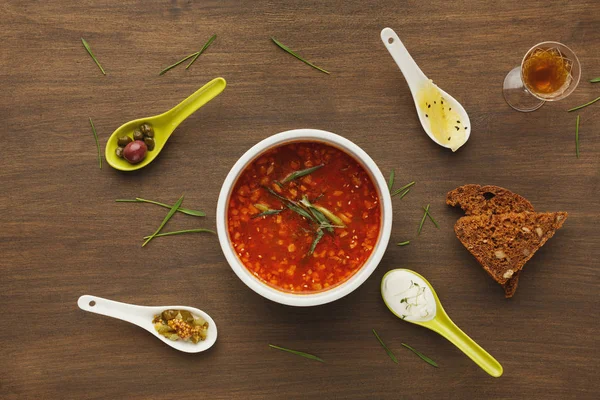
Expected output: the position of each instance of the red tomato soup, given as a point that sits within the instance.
(304, 217)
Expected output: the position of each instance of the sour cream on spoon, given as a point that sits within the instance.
(410, 297)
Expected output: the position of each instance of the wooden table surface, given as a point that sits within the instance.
(62, 234)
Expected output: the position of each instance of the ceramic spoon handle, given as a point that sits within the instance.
(196, 100)
(123, 311)
(411, 71)
(468, 346)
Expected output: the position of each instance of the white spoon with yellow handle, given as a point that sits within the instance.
(443, 118)
(142, 316)
(410, 297)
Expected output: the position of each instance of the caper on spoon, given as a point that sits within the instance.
(143, 316)
(163, 126)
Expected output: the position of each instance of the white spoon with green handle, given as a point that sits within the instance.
(411, 298)
(443, 118)
(142, 316)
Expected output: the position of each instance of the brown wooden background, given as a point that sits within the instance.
(62, 235)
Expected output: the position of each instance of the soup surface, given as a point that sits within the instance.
(304, 217)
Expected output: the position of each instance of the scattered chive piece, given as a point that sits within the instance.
(268, 189)
(298, 353)
(595, 80)
(261, 207)
(288, 50)
(319, 216)
(183, 231)
(388, 351)
(331, 216)
(267, 212)
(423, 220)
(391, 181)
(404, 194)
(584, 105)
(300, 211)
(178, 62)
(212, 39)
(319, 197)
(328, 225)
(316, 241)
(421, 355)
(404, 243)
(194, 213)
(299, 174)
(577, 137)
(431, 218)
(97, 145)
(398, 191)
(291, 205)
(165, 220)
(89, 50)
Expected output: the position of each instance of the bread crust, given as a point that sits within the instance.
(510, 287)
(489, 199)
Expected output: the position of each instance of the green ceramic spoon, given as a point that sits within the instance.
(163, 124)
(439, 322)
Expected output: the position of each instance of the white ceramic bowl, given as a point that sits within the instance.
(341, 290)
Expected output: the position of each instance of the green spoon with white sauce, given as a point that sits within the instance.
(411, 298)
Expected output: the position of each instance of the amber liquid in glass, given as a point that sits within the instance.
(546, 72)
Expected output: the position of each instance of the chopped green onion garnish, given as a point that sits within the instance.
(212, 39)
(300, 211)
(267, 212)
(298, 353)
(430, 217)
(577, 137)
(89, 50)
(421, 355)
(290, 51)
(97, 144)
(404, 194)
(584, 105)
(330, 216)
(388, 351)
(423, 220)
(181, 232)
(299, 174)
(398, 191)
(170, 67)
(172, 211)
(316, 241)
(194, 213)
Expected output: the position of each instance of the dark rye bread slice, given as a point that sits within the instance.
(503, 243)
(486, 200)
(480, 200)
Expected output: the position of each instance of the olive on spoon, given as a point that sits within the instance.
(142, 316)
(443, 118)
(163, 126)
(410, 297)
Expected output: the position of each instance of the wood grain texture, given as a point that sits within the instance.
(63, 235)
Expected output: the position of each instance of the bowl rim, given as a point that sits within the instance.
(341, 290)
